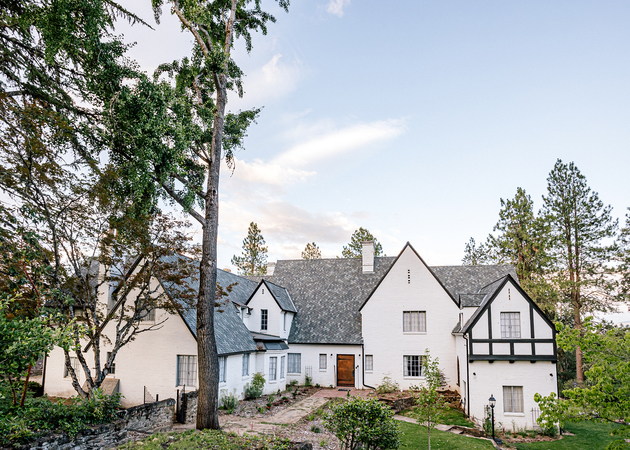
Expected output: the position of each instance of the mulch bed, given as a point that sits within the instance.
(268, 405)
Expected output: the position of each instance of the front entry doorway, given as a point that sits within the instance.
(345, 370)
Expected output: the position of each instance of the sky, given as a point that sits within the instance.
(414, 118)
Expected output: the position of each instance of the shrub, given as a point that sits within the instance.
(308, 381)
(363, 424)
(315, 429)
(229, 402)
(255, 388)
(387, 385)
(40, 416)
(293, 382)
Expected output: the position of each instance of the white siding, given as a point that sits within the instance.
(310, 358)
(409, 286)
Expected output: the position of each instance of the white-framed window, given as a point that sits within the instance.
(284, 321)
(295, 363)
(412, 365)
(112, 368)
(414, 321)
(186, 370)
(74, 362)
(150, 316)
(323, 361)
(222, 369)
(264, 319)
(282, 358)
(273, 368)
(245, 365)
(511, 325)
(369, 363)
(513, 399)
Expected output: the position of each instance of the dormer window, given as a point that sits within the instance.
(511, 325)
(264, 319)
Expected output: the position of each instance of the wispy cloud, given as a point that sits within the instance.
(335, 7)
(339, 141)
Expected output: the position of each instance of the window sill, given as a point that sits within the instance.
(323, 370)
(512, 414)
(273, 381)
(369, 371)
(414, 332)
(294, 373)
(414, 378)
(245, 377)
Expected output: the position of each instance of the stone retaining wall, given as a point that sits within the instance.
(145, 419)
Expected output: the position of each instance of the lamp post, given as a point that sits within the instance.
(493, 402)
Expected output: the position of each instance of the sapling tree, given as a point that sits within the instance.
(474, 254)
(253, 260)
(430, 404)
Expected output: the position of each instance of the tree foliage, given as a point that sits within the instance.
(606, 394)
(354, 248)
(623, 257)
(430, 404)
(311, 251)
(253, 260)
(362, 423)
(580, 224)
(474, 254)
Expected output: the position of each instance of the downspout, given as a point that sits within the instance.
(467, 378)
(363, 367)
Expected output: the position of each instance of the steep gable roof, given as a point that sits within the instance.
(231, 334)
(460, 280)
(327, 294)
(279, 293)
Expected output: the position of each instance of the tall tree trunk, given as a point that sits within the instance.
(208, 400)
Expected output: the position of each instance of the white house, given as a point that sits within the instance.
(351, 322)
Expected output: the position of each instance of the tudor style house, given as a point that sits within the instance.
(352, 322)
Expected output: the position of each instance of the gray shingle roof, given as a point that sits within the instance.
(471, 299)
(469, 279)
(282, 296)
(327, 294)
(231, 334)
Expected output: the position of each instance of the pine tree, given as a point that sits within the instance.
(623, 256)
(311, 251)
(579, 222)
(354, 249)
(254, 257)
(474, 254)
(522, 241)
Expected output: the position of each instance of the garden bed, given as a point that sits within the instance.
(271, 404)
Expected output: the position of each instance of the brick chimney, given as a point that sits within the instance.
(367, 255)
(270, 268)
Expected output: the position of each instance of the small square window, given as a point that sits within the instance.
(282, 359)
(323, 361)
(294, 363)
(186, 370)
(112, 368)
(414, 321)
(412, 366)
(511, 325)
(513, 399)
(246, 365)
(222, 369)
(74, 362)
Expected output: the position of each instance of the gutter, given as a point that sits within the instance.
(467, 378)
(363, 368)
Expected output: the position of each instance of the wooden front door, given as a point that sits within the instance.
(345, 370)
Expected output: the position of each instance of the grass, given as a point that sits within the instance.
(416, 437)
(588, 435)
(450, 417)
(207, 439)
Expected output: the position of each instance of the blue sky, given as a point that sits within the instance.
(414, 118)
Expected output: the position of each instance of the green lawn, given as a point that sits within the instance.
(450, 417)
(416, 437)
(588, 435)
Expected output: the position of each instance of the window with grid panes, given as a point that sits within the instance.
(294, 363)
(369, 363)
(245, 364)
(414, 321)
(273, 368)
(74, 362)
(112, 368)
(323, 361)
(412, 365)
(513, 399)
(264, 318)
(282, 358)
(222, 369)
(186, 370)
(511, 325)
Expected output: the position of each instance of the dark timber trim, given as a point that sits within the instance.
(531, 327)
(531, 358)
(490, 330)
